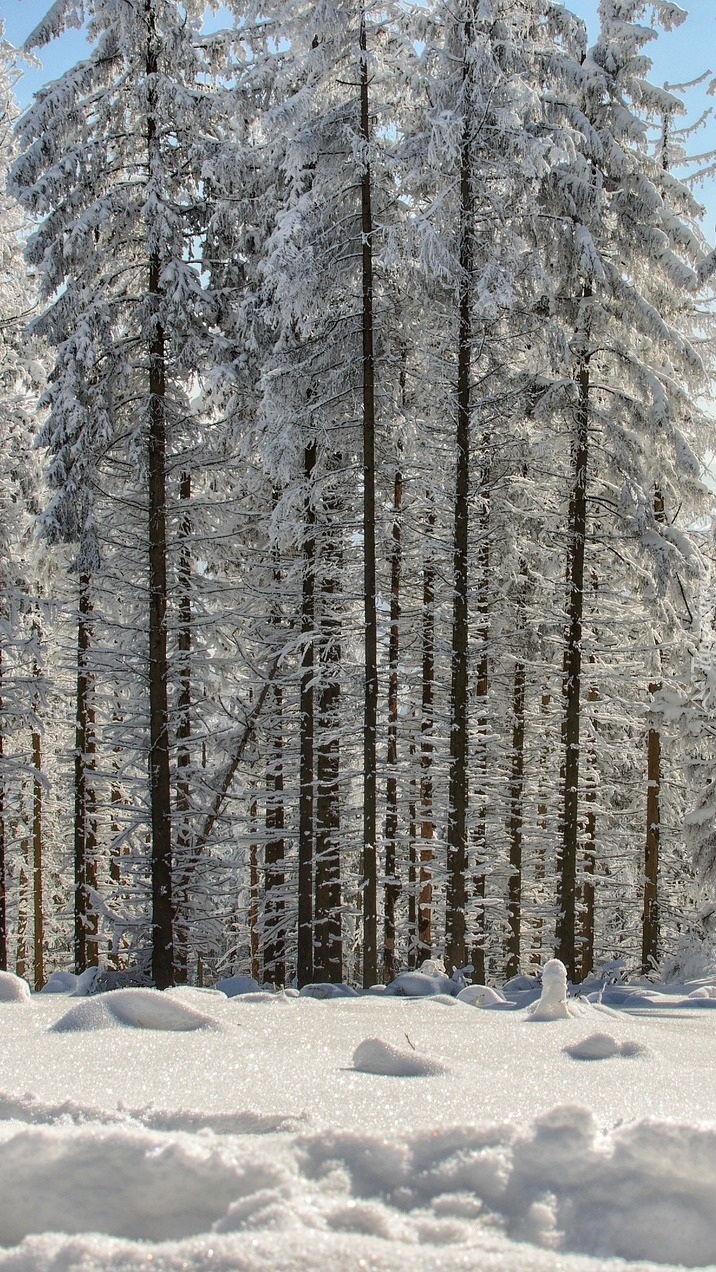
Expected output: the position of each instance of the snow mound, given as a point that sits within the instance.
(602, 1046)
(232, 986)
(480, 996)
(375, 1056)
(135, 1008)
(323, 990)
(13, 989)
(60, 983)
(418, 985)
(115, 1180)
(552, 1004)
(27, 1108)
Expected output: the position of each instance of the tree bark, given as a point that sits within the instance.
(392, 882)
(4, 951)
(159, 760)
(274, 920)
(328, 945)
(370, 777)
(85, 828)
(306, 841)
(572, 667)
(652, 844)
(515, 821)
(457, 860)
(183, 729)
(427, 748)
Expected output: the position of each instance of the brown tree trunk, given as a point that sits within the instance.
(3, 864)
(392, 882)
(652, 844)
(23, 909)
(38, 909)
(457, 857)
(183, 730)
(370, 864)
(572, 668)
(274, 916)
(85, 829)
(254, 942)
(585, 952)
(328, 944)
(159, 761)
(482, 689)
(515, 822)
(427, 748)
(304, 967)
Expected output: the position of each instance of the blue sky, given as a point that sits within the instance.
(680, 56)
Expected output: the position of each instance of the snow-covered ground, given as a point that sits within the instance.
(191, 1131)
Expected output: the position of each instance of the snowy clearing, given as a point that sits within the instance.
(257, 1143)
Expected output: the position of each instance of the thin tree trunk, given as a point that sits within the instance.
(542, 815)
(183, 729)
(572, 669)
(427, 748)
(85, 829)
(3, 863)
(328, 945)
(274, 929)
(412, 862)
(652, 844)
(254, 942)
(585, 954)
(23, 909)
(482, 689)
(370, 865)
(38, 909)
(159, 763)
(304, 968)
(515, 822)
(392, 882)
(456, 904)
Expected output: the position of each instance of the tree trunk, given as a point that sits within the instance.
(304, 968)
(572, 668)
(183, 730)
(86, 926)
(23, 909)
(328, 945)
(585, 958)
(3, 863)
(652, 845)
(274, 921)
(159, 763)
(515, 822)
(370, 864)
(427, 748)
(482, 689)
(254, 942)
(38, 909)
(392, 882)
(456, 903)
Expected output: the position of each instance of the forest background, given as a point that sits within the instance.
(405, 697)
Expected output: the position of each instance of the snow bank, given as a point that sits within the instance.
(322, 990)
(481, 996)
(375, 1056)
(136, 1008)
(60, 983)
(231, 986)
(601, 1046)
(13, 989)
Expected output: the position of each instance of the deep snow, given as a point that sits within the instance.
(252, 1138)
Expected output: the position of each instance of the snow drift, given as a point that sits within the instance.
(376, 1056)
(136, 1008)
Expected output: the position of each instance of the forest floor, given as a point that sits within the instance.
(192, 1131)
